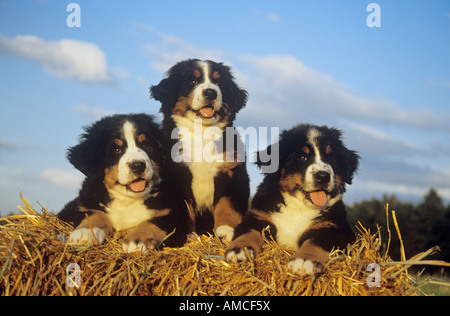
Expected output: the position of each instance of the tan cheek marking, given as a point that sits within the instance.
(291, 181)
(111, 175)
(182, 106)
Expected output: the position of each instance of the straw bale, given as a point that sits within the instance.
(33, 261)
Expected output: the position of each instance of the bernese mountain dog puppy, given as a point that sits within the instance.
(302, 202)
(121, 157)
(199, 102)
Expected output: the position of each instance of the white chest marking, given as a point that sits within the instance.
(199, 154)
(292, 220)
(127, 212)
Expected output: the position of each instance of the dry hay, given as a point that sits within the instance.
(34, 262)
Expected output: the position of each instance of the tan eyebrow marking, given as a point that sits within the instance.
(118, 142)
(197, 73)
(305, 150)
(142, 138)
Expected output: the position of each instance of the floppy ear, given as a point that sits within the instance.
(88, 155)
(83, 157)
(351, 160)
(240, 97)
(167, 93)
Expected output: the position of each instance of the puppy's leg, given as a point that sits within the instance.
(249, 243)
(309, 259)
(145, 236)
(248, 236)
(226, 218)
(92, 229)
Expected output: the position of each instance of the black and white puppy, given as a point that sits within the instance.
(302, 202)
(121, 158)
(199, 101)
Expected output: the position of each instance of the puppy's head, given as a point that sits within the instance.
(123, 152)
(314, 164)
(196, 89)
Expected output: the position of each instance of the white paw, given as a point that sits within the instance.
(84, 236)
(301, 267)
(133, 247)
(225, 232)
(241, 255)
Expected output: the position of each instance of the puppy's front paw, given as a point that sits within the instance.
(132, 246)
(138, 241)
(238, 254)
(246, 246)
(304, 267)
(225, 232)
(85, 236)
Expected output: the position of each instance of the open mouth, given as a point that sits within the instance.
(318, 198)
(205, 112)
(137, 186)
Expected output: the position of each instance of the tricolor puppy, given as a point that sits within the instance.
(199, 101)
(302, 202)
(121, 158)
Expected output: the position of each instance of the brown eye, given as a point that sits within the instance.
(303, 158)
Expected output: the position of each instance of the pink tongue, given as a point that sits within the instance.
(138, 186)
(207, 112)
(319, 198)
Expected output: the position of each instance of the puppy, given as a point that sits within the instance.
(199, 101)
(121, 158)
(302, 202)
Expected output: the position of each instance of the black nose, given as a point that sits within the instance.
(210, 94)
(322, 177)
(137, 167)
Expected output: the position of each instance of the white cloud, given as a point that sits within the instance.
(397, 156)
(274, 17)
(308, 95)
(171, 50)
(91, 112)
(416, 191)
(269, 16)
(69, 180)
(439, 83)
(66, 58)
(371, 141)
(6, 145)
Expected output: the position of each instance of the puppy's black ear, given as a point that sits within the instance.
(234, 95)
(351, 160)
(240, 97)
(166, 92)
(88, 155)
(161, 91)
(83, 158)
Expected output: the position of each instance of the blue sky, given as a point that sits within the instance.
(387, 88)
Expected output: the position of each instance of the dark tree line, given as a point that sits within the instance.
(422, 225)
